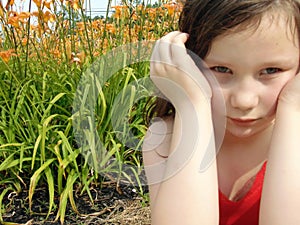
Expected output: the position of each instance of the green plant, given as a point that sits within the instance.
(41, 67)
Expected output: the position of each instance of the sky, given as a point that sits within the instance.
(98, 7)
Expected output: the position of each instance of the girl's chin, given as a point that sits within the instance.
(246, 132)
(236, 134)
(240, 134)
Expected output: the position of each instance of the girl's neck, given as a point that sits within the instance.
(252, 149)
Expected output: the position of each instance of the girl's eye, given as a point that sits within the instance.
(271, 70)
(220, 69)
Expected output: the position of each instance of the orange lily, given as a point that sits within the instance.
(38, 3)
(48, 17)
(6, 55)
(23, 16)
(9, 3)
(14, 21)
(48, 5)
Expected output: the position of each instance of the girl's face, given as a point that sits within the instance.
(252, 67)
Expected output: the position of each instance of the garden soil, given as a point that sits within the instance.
(112, 204)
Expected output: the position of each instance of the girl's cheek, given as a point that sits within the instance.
(271, 97)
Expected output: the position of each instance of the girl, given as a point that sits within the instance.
(251, 47)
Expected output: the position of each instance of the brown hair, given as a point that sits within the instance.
(204, 20)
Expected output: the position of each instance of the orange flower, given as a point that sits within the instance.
(68, 50)
(80, 26)
(48, 17)
(56, 53)
(140, 8)
(81, 56)
(73, 3)
(38, 3)
(97, 24)
(134, 16)
(6, 55)
(35, 13)
(23, 16)
(38, 29)
(96, 54)
(117, 13)
(171, 7)
(24, 41)
(151, 12)
(14, 21)
(9, 3)
(111, 28)
(48, 5)
(1, 11)
(120, 11)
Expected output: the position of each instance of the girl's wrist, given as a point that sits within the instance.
(288, 114)
(190, 109)
(284, 107)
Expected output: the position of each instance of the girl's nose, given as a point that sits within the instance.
(244, 96)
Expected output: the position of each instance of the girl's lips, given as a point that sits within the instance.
(243, 122)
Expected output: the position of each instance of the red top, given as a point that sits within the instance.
(246, 210)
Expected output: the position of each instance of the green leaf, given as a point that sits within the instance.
(35, 179)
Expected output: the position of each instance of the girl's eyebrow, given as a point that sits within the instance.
(279, 62)
(216, 61)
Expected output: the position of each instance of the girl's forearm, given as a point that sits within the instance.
(280, 201)
(188, 196)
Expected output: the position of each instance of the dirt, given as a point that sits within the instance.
(111, 205)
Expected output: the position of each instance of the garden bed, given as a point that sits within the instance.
(111, 206)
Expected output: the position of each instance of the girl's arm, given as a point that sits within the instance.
(280, 201)
(182, 194)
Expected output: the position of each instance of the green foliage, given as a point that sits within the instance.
(37, 141)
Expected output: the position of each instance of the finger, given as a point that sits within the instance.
(178, 49)
(165, 45)
(161, 49)
(161, 56)
(170, 36)
(160, 59)
(180, 39)
(182, 58)
(155, 52)
(175, 37)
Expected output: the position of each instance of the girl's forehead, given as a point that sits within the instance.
(271, 21)
(271, 42)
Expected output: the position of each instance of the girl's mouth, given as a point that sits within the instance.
(242, 122)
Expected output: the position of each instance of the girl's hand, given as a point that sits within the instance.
(175, 73)
(290, 94)
(188, 88)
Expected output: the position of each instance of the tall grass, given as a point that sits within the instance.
(44, 56)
